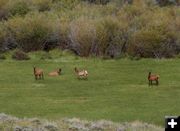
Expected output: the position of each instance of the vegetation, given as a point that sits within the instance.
(111, 28)
(13, 123)
(20, 55)
(116, 90)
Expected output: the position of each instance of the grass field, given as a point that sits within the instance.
(116, 90)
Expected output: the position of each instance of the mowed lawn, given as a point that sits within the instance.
(116, 90)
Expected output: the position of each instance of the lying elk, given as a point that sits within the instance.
(55, 73)
(38, 73)
(81, 73)
(152, 77)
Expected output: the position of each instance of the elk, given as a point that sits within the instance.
(55, 73)
(81, 73)
(153, 77)
(38, 73)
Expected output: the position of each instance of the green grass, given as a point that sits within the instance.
(116, 90)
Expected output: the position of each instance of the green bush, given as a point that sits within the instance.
(63, 33)
(18, 7)
(64, 6)
(3, 9)
(82, 36)
(167, 2)
(112, 36)
(98, 1)
(20, 55)
(155, 34)
(42, 5)
(2, 36)
(153, 43)
(32, 31)
(2, 57)
(45, 56)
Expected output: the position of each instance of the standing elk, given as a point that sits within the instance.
(81, 73)
(38, 73)
(55, 73)
(153, 77)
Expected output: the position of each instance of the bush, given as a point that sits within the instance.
(167, 2)
(152, 43)
(2, 36)
(82, 36)
(98, 1)
(158, 37)
(3, 9)
(18, 7)
(42, 5)
(20, 55)
(111, 36)
(63, 33)
(2, 57)
(31, 32)
(45, 56)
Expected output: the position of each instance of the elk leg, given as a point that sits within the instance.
(157, 82)
(86, 77)
(35, 77)
(42, 76)
(39, 77)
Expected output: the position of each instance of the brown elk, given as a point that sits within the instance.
(153, 77)
(55, 73)
(81, 73)
(38, 73)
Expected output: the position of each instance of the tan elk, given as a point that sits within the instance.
(38, 73)
(81, 73)
(153, 77)
(55, 73)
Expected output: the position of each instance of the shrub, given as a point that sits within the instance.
(18, 7)
(82, 36)
(51, 126)
(64, 5)
(45, 56)
(152, 43)
(2, 36)
(105, 36)
(31, 32)
(20, 55)
(56, 53)
(63, 33)
(3, 9)
(42, 5)
(2, 57)
(167, 2)
(155, 34)
(112, 36)
(98, 1)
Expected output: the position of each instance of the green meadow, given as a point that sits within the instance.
(116, 90)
